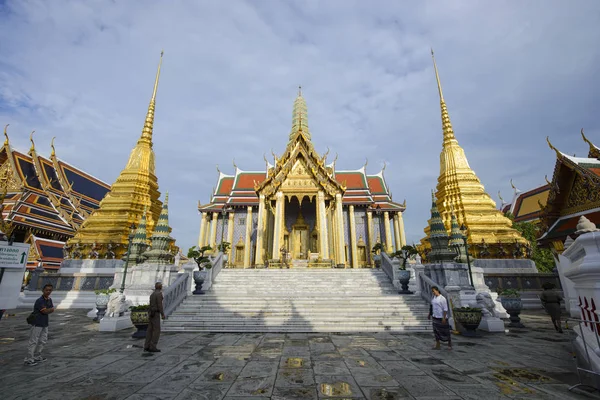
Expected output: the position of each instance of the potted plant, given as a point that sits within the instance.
(223, 247)
(407, 252)
(203, 263)
(102, 298)
(511, 301)
(140, 318)
(469, 318)
(376, 250)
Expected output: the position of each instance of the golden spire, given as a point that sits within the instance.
(299, 116)
(149, 123)
(31, 140)
(53, 153)
(6, 135)
(446, 124)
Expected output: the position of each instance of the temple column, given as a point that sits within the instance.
(230, 235)
(389, 247)
(248, 244)
(354, 248)
(397, 241)
(202, 236)
(323, 237)
(260, 231)
(401, 229)
(370, 242)
(339, 218)
(333, 238)
(213, 231)
(277, 234)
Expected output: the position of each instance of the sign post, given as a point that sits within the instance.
(13, 260)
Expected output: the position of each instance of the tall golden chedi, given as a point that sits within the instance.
(134, 191)
(489, 233)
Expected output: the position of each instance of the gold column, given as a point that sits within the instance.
(207, 231)
(260, 231)
(202, 236)
(323, 237)
(247, 249)
(354, 248)
(397, 241)
(213, 231)
(339, 218)
(333, 238)
(230, 235)
(370, 235)
(401, 229)
(388, 233)
(277, 234)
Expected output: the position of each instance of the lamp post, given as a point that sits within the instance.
(463, 230)
(130, 239)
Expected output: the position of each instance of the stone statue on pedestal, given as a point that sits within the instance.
(117, 305)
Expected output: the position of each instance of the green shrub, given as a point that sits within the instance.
(141, 307)
(105, 291)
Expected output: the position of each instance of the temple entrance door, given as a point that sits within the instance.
(300, 239)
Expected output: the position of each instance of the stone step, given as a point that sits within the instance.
(297, 329)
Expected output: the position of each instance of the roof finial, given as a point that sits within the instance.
(366, 162)
(437, 77)
(433, 195)
(6, 135)
(384, 166)
(558, 153)
(218, 170)
(594, 150)
(31, 140)
(299, 90)
(53, 153)
(234, 166)
(157, 76)
(166, 199)
(149, 123)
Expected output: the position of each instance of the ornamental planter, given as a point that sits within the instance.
(469, 319)
(101, 304)
(404, 278)
(199, 277)
(513, 306)
(140, 319)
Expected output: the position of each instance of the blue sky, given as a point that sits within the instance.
(512, 73)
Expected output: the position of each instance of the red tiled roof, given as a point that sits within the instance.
(595, 171)
(375, 184)
(245, 180)
(225, 186)
(353, 180)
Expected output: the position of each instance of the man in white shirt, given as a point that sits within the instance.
(438, 313)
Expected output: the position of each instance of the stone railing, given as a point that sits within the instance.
(425, 284)
(69, 281)
(211, 274)
(520, 281)
(175, 293)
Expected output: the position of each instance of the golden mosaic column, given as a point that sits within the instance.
(247, 249)
(260, 231)
(323, 237)
(202, 236)
(354, 248)
(213, 231)
(397, 241)
(339, 219)
(277, 226)
(370, 236)
(388, 233)
(401, 229)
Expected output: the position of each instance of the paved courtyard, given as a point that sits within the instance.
(533, 363)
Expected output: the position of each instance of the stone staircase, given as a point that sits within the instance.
(301, 300)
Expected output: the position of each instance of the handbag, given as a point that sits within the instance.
(31, 318)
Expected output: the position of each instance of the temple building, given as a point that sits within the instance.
(301, 211)
(459, 191)
(44, 201)
(526, 206)
(105, 233)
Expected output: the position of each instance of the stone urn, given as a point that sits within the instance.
(199, 277)
(404, 278)
(513, 305)
(469, 318)
(140, 318)
(101, 304)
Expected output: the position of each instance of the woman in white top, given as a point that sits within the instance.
(438, 313)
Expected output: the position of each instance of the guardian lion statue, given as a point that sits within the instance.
(117, 305)
(486, 303)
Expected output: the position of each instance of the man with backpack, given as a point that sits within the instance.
(38, 319)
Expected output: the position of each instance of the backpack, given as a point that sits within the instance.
(31, 318)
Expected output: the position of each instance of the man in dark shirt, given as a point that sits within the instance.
(38, 336)
(155, 313)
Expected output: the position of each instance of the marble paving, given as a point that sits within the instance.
(84, 364)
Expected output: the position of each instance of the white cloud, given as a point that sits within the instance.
(512, 74)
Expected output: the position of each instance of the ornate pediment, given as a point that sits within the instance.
(8, 180)
(584, 195)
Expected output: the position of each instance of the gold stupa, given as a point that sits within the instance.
(460, 189)
(134, 191)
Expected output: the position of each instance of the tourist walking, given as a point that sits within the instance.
(155, 313)
(438, 313)
(551, 302)
(38, 335)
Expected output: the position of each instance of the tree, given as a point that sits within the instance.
(543, 258)
(198, 255)
(407, 252)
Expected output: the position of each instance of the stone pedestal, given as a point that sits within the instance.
(113, 324)
(140, 280)
(480, 286)
(491, 324)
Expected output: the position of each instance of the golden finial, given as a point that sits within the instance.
(6, 135)
(594, 151)
(157, 76)
(437, 77)
(547, 181)
(31, 140)
(500, 197)
(558, 153)
(234, 166)
(403, 203)
(299, 90)
(53, 153)
(335, 159)
(149, 122)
